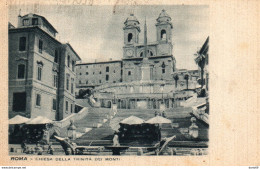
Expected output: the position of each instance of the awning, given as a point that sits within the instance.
(158, 120)
(18, 120)
(132, 120)
(40, 120)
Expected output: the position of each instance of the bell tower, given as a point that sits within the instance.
(164, 34)
(164, 28)
(131, 36)
(131, 30)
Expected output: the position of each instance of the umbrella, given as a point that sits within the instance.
(18, 120)
(132, 120)
(40, 120)
(158, 120)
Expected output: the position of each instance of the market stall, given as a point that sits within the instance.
(15, 128)
(134, 129)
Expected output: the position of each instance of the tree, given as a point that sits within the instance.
(201, 61)
(186, 77)
(176, 78)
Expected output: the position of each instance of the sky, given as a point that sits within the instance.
(96, 32)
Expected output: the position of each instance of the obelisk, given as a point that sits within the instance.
(145, 67)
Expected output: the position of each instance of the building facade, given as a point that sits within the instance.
(204, 52)
(98, 73)
(38, 69)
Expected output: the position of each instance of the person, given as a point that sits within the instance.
(115, 140)
(164, 114)
(38, 149)
(23, 146)
(50, 149)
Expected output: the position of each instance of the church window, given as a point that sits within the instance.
(163, 70)
(86, 73)
(151, 53)
(130, 37)
(107, 77)
(163, 67)
(163, 34)
(141, 54)
(87, 82)
(129, 73)
(107, 69)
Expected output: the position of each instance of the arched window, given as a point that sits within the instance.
(163, 34)
(130, 37)
(151, 53)
(21, 71)
(141, 54)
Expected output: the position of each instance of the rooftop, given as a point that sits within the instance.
(43, 18)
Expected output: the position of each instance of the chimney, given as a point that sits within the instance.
(19, 19)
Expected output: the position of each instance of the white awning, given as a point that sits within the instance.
(132, 120)
(40, 120)
(18, 120)
(158, 120)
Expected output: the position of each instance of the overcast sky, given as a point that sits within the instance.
(95, 32)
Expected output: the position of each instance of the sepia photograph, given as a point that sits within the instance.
(108, 80)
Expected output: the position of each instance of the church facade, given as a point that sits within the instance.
(158, 55)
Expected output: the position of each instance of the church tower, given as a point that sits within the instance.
(131, 35)
(164, 33)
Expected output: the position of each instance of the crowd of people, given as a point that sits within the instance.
(38, 149)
